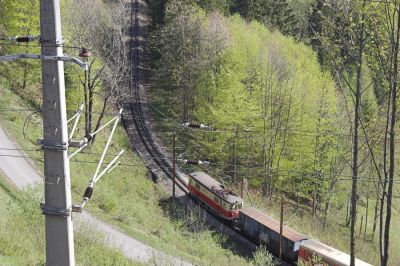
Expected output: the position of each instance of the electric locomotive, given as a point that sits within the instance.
(220, 200)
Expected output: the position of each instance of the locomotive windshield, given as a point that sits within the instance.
(237, 206)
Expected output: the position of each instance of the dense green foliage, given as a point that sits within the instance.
(313, 124)
(257, 87)
(18, 19)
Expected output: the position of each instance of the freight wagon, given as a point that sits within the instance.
(325, 255)
(265, 230)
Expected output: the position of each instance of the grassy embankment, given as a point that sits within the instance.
(126, 197)
(22, 233)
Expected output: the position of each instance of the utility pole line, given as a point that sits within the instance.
(174, 162)
(281, 227)
(58, 203)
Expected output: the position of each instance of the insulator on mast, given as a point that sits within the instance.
(85, 53)
(28, 38)
(194, 162)
(195, 125)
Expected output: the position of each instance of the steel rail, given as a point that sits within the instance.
(136, 107)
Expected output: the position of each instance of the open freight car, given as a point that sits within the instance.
(214, 195)
(325, 255)
(265, 230)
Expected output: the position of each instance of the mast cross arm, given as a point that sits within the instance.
(6, 58)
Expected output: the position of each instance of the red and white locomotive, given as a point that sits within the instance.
(220, 200)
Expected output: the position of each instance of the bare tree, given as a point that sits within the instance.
(182, 58)
(101, 29)
(345, 38)
(389, 59)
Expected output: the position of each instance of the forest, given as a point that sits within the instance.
(301, 97)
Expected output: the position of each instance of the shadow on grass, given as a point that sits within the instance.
(195, 219)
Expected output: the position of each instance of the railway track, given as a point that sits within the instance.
(156, 160)
(134, 119)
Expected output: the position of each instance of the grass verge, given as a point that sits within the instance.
(22, 233)
(126, 197)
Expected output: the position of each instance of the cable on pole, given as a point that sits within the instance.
(84, 142)
(76, 117)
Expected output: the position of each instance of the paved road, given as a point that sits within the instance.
(14, 166)
(20, 172)
(131, 247)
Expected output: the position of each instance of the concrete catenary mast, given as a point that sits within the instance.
(58, 203)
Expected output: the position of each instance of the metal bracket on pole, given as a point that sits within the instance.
(110, 166)
(46, 210)
(14, 57)
(51, 145)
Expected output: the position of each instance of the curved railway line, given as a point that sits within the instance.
(145, 142)
(156, 158)
(134, 121)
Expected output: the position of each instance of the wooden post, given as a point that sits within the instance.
(242, 188)
(247, 191)
(366, 214)
(281, 229)
(234, 154)
(173, 163)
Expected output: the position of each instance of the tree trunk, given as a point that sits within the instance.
(384, 185)
(347, 213)
(90, 115)
(375, 217)
(25, 79)
(264, 151)
(103, 110)
(85, 93)
(235, 154)
(392, 140)
(366, 214)
(354, 187)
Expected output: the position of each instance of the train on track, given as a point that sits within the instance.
(261, 228)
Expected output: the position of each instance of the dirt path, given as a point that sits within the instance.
(22, 174)
(19, 171)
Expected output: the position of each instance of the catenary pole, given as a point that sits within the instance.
(281, 227)
(57, 206)
(174, 162)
